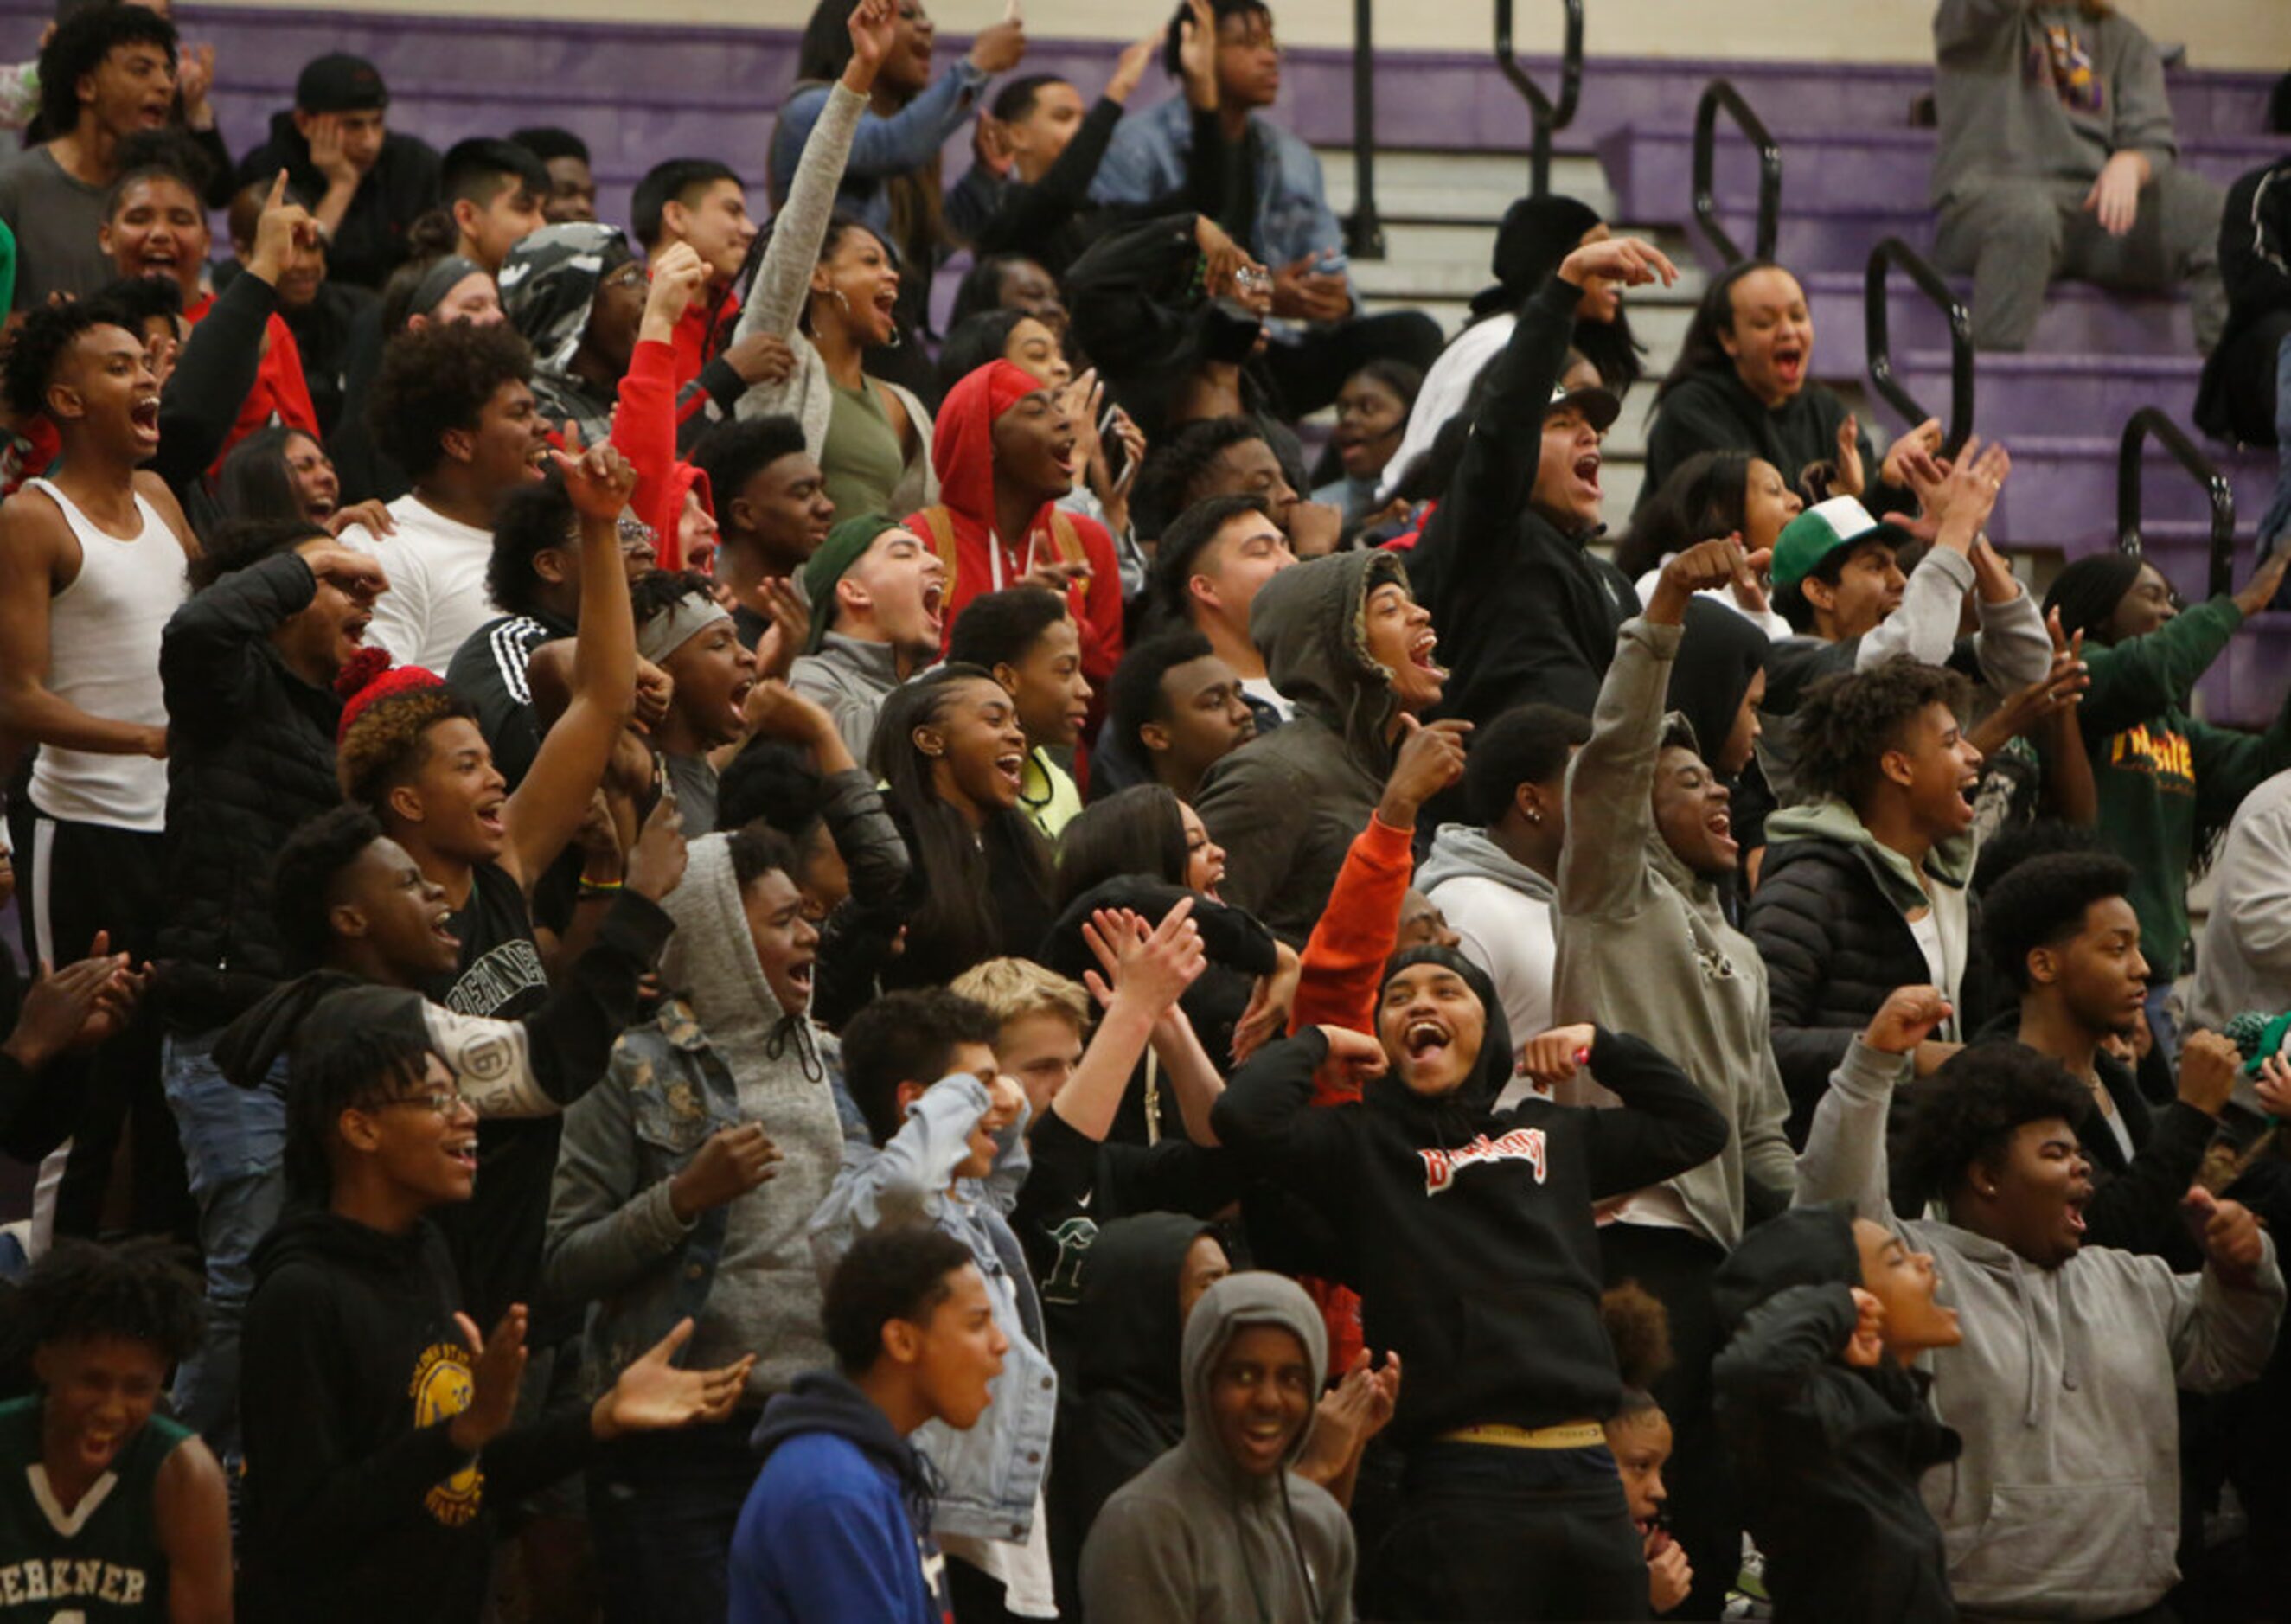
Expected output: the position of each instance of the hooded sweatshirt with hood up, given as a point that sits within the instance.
(1643, 942)
(2066, 1501)
(837, 1523)
(1286, 805)
(1827, 1457)
(1502, 910)
(719, 1054)
(1468, 1230)
(1193, 1536)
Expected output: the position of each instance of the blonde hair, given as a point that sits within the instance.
(1013, 989)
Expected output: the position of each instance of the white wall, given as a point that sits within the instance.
(2244, 34)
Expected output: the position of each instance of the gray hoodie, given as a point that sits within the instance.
(849, 679)
(1502, 909)
(2066, 1502)
(1646, 948)
(1193, 1536)
(721, 1053)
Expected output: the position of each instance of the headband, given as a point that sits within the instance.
(440, 280)
(678, 624)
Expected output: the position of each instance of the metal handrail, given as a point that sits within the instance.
(1894, 253)
(1365, 230)
(1546, 114)
(2151, 420)
(1721, 93)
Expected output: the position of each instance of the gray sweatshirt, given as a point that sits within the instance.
(849, 679)
(1645, 949)
(1193, 1536)
(2066, 1502)
(1502, 910)
(2043, 93)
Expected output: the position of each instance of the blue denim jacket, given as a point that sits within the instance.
(993, 1472)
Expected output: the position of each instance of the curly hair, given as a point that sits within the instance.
(2045, 901)
(891, 1274)
(530, 520)
(656, 591)
(390, 742)
(1847, 722)
(139, 1291)
(1175, 473)
(302, 880)
(1968, 1112)
(438, 380)
(1639, 1327)
(79, 46)
(38, 346)
(907, 1037)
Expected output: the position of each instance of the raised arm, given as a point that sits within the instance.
(1784, 1341)
(1266, 1117)
(1667, 1125)
(214, 645)
(1145, 971)
(1925, 626)
(1844, 1154)
(2224, 1321)
(549, 806)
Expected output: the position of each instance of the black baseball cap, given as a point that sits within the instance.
(339, 83)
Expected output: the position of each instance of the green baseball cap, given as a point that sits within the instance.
(1839, 522)
(844, 547)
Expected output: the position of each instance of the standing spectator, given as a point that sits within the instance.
(1050, 150)
(772, 511)
(1268, 198)
(1713, 494)
(572, 195)
(684, 632)
(105, 74)
(1214, 558)
(370, 181)
(324, 313)
(2057, 158)
(878, 596)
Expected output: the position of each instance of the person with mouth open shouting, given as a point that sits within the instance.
(682, 630)
(2066, 1501)
(1645, 944)
(878, 598)
(1468, 1233)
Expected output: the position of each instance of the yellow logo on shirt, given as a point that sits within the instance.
(441, 1389)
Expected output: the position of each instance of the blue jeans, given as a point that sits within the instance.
(2279, 511)
(234, 1146)
(661, 1510)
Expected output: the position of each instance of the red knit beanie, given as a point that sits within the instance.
(370, 677)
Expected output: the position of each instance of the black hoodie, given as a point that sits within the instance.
(358, 1507)
(401, 186)
(1827, 1456)
(1468, 1231)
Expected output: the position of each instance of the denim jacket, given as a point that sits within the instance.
(993, 1472)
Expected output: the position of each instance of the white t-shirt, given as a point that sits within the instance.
(437, 596)
(1444, 390)
(1510, 936)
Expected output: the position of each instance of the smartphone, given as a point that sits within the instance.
(1335, 264)
(1109, 444)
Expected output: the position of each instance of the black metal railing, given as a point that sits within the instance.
(1365, 230)
(1720, 95)
(2151, 421)
(1546, 113)
(1893, 254)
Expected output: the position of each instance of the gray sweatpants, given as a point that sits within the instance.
(2013, 236)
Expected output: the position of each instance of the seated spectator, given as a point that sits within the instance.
(877, 593)
(1494, 879)
(1051, 150)
(1865, 886)
(2057, 159)
(1177, 710)
(1345, 641)
(1223, 1522)
(1744, 381)
(2061, 931)
(1266, 184)
(2241, 394)
(1505, 561)
(838, 1524)
(492, 189)
(572, 195)
(891, 185)
(1372, 411)
(105, 74)
(357, 1309)
(137, 1523)
(1831, 1421)
(829, 287)
(951, 757)
(684, 1185)
(324, 313)
(1024, 636)
(948, 1151)
(1485, 1530)
(1212, 561)
(772, 514)
(2050, 1505)
(1536, 234)
(2168, 782)
(370, 181)
(454, 407)
(683, 630)
(1008, 446)
(1713, 493)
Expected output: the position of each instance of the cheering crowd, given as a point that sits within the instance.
(703, 952)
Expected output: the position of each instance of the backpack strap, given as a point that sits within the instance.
(940, 523)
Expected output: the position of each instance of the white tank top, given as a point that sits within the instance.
(103, 657)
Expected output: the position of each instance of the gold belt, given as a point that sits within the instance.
(1566, 1435)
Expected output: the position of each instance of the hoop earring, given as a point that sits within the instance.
(841, 300)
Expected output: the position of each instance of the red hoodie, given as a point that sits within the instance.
(644, 430)
(279, 389)
(962, 451)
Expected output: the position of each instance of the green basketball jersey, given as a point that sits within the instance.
(100, 1564)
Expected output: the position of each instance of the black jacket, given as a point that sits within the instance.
(250, 756)
(1468, 1231)
(2237, 398)
(1524, 613)
(401, 186)
(357, 1505)
(1044, 220)
(1827, 1457)
(1713, 411)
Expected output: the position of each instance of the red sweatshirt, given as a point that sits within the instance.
(280, 390)
(644, 430)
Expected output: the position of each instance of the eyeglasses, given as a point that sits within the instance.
(442, 1102)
